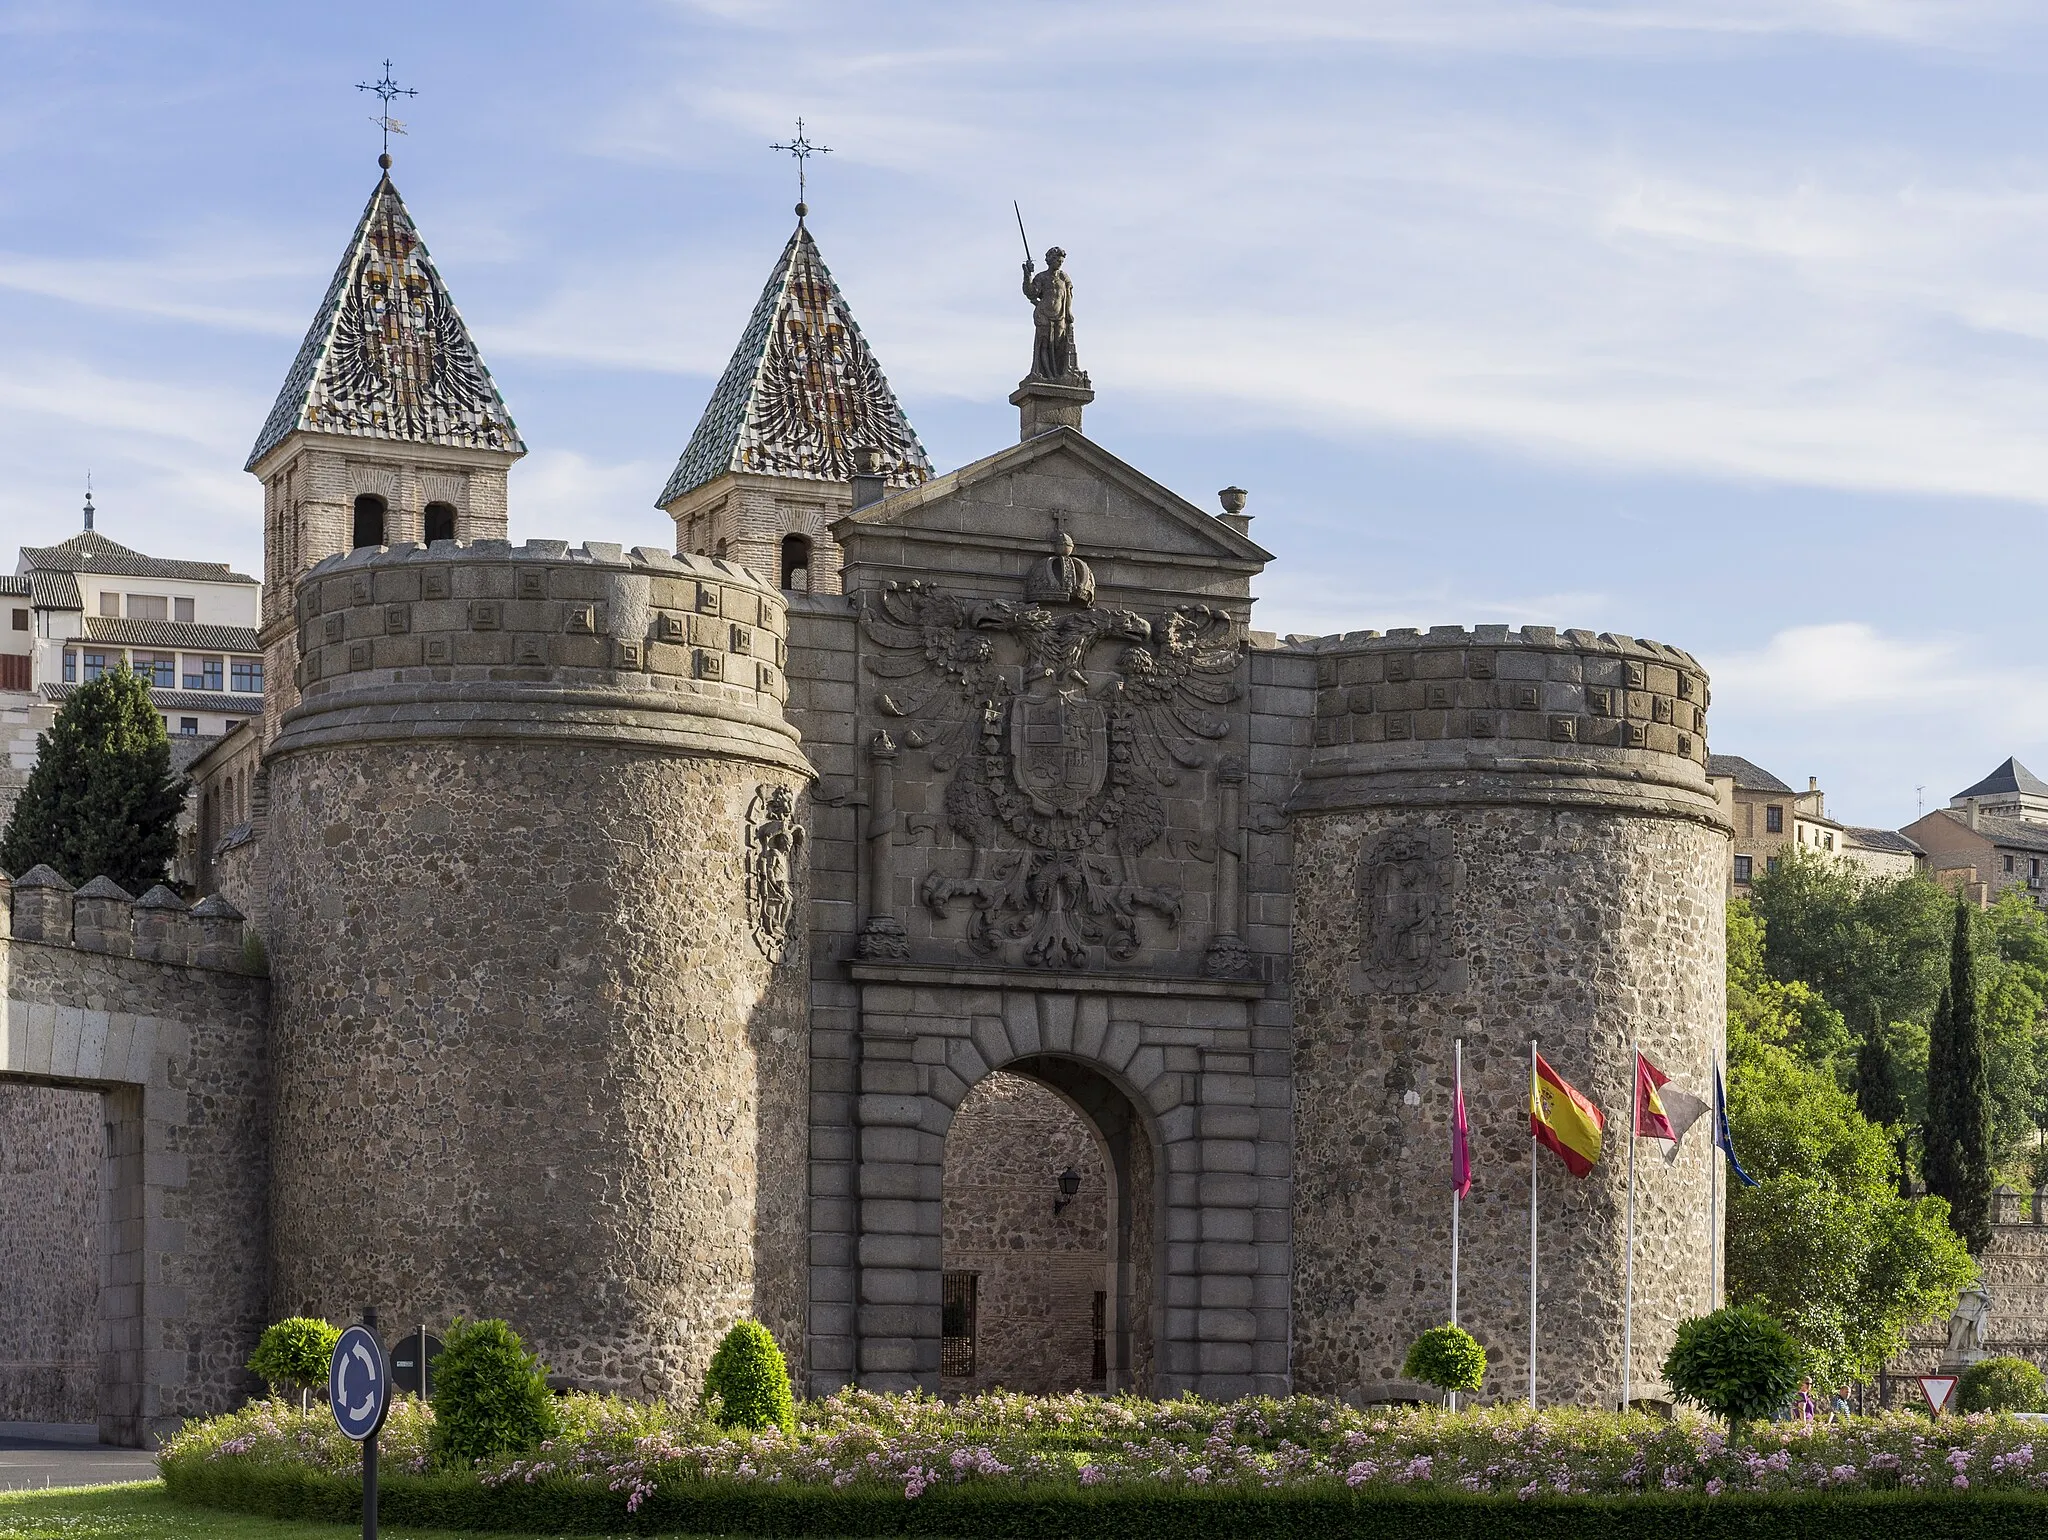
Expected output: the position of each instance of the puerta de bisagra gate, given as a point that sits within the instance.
(905, 876)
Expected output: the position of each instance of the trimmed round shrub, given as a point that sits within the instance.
(1447, 1357)
(748, 1383)
(2002, 1385)
(490, 1395)
(1738, 1363)
(294, 1354)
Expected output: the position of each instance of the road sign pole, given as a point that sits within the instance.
(370, 1454)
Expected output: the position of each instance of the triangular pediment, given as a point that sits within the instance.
(387, 355)
(1013, 504)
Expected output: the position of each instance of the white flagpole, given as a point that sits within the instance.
(1458, 1083)
(1628, 1267)
(1457, 1200)
(1533, 1148)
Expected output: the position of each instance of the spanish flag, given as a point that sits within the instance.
(1564, 1120)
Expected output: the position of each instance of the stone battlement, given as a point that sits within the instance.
(490, 639)
(101, 916)
(1531, 714)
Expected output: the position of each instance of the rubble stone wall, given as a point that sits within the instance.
(49, 1254)
(1459, 875)
(1038, 1271)
(534, 1058)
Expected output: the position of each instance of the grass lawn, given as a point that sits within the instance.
(141, 1511)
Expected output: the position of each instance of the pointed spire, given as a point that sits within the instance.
(387, 355)
(802, 392)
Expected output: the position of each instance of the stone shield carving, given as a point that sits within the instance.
(775, 842)
(1405, 878)
(1059, 725)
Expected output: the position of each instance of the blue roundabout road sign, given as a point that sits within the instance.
(359, 1383)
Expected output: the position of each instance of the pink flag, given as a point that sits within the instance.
(1461, 1151)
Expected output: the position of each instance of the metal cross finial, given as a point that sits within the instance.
(385, 90)
(803, 150)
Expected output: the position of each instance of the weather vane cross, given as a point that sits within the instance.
(386, 90)
(803, 150)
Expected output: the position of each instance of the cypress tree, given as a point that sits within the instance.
(1878, 1096)
(101, 800)
(1956, 1140)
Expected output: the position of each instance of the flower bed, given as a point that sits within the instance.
(1002, 1464)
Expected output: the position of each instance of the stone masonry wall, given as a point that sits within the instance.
(145, 1006)
(1501, 835)
(1038, 1271)
(520, 959)
(49, 1254)
(1584, 929)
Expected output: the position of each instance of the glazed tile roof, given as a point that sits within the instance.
(91, 551)
(387, 355)
(170, 633)
(802, 392)
(1745, 775)
(14, 587)
(2012, 778)
(244, 703)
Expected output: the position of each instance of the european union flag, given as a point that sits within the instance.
(1722, 1138)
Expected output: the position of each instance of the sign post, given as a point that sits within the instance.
(1937, 1388)
(412, 1363)
(359, 1396)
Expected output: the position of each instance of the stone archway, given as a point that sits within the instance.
(1044, 1294)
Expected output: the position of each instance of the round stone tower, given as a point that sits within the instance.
(537, 898)
(1501, 835)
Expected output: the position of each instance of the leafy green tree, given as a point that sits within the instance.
(2012, 963)
(293, 1354)
(1955, 1141)
(101, 800)
(1872, 946)
(1824, 1242)
(747, 1385)
(1877, 1093)
(490, 1395)
(1739, 1363)
(1448, 1357)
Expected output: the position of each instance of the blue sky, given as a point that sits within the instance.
(1722, 322)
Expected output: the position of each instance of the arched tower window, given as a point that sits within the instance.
(721, 550)
(440, 522)
(796, 563)
(369, 519)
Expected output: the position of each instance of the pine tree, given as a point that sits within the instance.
(1956, 1140)
(101, 800)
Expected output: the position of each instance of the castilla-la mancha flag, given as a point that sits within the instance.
(1564, 1120)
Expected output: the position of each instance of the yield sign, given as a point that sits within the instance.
(1937, 1388)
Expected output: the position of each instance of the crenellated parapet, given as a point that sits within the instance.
(102, 917)
(541, 640)
(1492, 713)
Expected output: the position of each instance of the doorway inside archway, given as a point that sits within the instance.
(1046, 1253)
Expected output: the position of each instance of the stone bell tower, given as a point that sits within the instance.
(769, 468)
(388, 431)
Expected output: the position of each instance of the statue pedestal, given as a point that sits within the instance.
(1043, 405)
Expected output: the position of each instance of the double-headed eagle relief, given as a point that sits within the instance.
(1061, 724)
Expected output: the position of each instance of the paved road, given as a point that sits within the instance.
(31, 1462)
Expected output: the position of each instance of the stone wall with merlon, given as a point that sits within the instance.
(177, 1056)
(1486, 849)
(525, 902)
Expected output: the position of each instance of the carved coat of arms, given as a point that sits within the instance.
(1404, 879)
(775, 843)
(1059, 724)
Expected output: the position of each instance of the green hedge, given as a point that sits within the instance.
(978, 1512)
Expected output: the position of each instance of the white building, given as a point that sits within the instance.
(77, 609)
